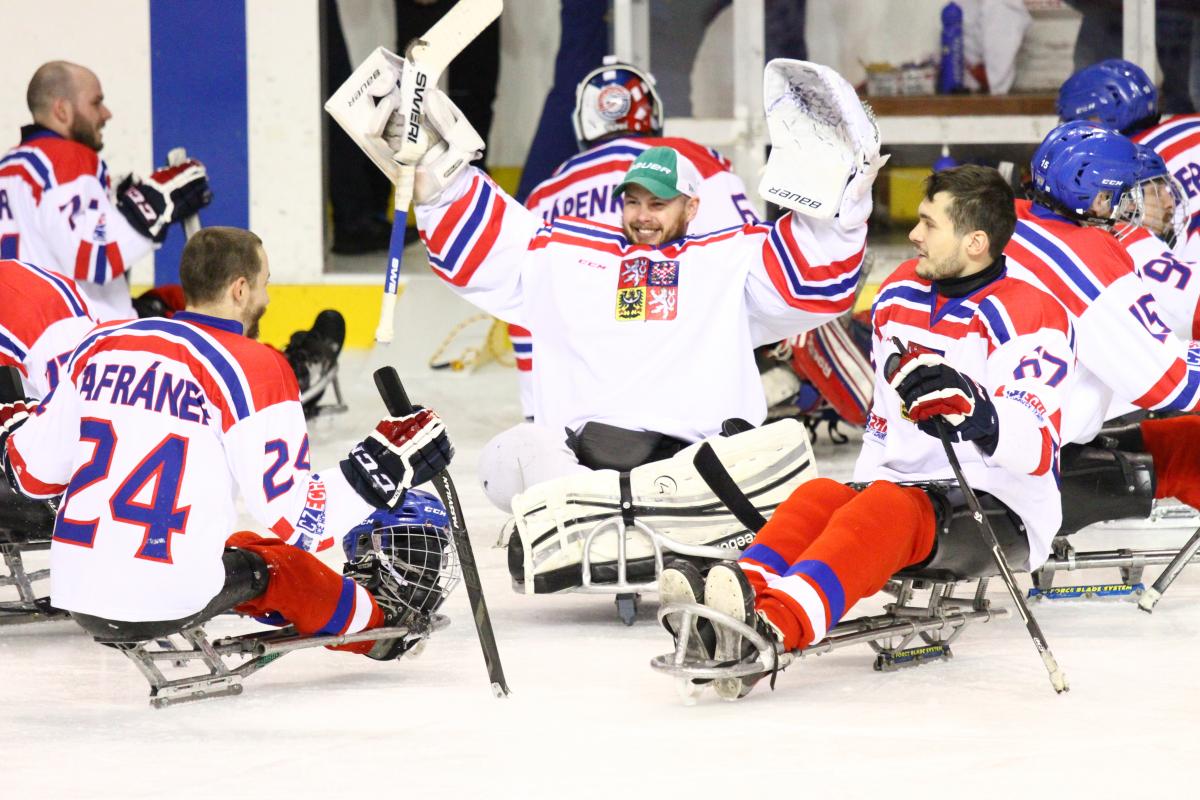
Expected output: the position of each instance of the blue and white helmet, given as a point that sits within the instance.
(1088, 173)
(616, 99)
(418, 562)
(1116, 93)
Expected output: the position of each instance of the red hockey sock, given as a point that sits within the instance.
(880, 531)
(1175, 446)
(307, 593)
(794, 526)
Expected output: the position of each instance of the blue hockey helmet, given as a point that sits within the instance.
(1116, 93)
(1087, 173)
(410, 554)
(616, 99)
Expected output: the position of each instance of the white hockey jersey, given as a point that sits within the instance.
(653, 338)
(56, 212)
(1177, 141)
(1017, 343)
(584, 186)
(1126, 352)
(42, 319)
(1170, 278)
(154, 430)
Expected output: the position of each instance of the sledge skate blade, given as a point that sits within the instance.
(677, 664)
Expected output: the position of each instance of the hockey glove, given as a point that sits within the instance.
(168, 195)
(401, 453)
(930, 388)
(12, 416)
(449, 144)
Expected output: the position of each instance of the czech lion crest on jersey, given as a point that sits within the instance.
(647, 290)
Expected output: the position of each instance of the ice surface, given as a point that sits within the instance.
(588, 717)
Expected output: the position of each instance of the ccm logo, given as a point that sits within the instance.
(794, 197)
(414, 113)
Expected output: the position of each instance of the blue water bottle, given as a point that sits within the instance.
(950, 78)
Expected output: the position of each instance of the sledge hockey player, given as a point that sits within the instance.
(55, 205)
(1119, 95)
(44, 318)
(623, 314)
(154, 428)
(985, 356)
(1083, 185)
(618, 115)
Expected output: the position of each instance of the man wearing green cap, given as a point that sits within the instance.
(645, 334)
(661, 192)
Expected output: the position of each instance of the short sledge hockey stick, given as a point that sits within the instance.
(1058, 678)
(1152, 595)
(398, 404)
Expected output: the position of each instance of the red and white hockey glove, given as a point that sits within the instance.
(168, 195)
(929, 388)
(401, 453)
(12, 416)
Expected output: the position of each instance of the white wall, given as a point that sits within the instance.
(113, 40)
(285, 118)
(529, 31)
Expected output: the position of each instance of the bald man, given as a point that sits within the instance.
(57, 206)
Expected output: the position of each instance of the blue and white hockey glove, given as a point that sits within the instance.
(401, 453)
(930, 388)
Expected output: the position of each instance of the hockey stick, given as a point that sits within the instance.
(1058, 678)
(398, 404)
(1152, 595)
(353, 107)
(191, 224)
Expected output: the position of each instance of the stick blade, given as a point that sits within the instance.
(453, 32)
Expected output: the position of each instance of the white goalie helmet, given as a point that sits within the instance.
(616, 99)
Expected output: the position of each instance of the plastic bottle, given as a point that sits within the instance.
(950, 77)
(945, 161)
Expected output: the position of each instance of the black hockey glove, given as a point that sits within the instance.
(931, 388)
(168, 195)
(401, 453)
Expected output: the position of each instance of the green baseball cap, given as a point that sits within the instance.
(663, 172)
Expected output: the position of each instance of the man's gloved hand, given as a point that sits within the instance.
(168, 195)
(447, 144)
(930, 388)
(402, 452)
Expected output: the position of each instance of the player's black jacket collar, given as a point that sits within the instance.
(962, 287)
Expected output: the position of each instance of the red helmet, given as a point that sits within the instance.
(616, 99)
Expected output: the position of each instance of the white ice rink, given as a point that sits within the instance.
(587, 717)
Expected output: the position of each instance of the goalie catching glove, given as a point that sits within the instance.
(824, 143)
(168, 195)
(931, 388)
(401, 453)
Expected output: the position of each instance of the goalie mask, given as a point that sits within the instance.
(615, 100)
(411, 552)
